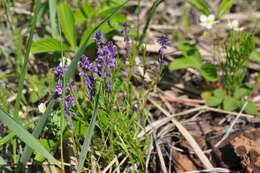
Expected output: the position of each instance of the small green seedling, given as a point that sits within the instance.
(237, 48)
(192, 58)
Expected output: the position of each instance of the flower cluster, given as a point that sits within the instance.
(69, 99)
(163, 41)
(125, 32)
(100, 67)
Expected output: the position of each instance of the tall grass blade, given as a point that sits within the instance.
(224, 7)
(53, 9)
(200, 6)
(88, 137)
(10, 136)
(26, 137)
(36, 133)
(151, 13)
(26, 58)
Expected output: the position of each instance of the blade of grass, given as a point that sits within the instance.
(88, 137)
(26, 137)
(26, 58)
(53, 10)
(151, 12)
(10, 136)
(36, 133)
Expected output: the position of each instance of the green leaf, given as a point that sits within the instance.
(48, 145)
(251, 108)
(230, 104)
(241, 92)
(48, 45)
(209, 71)
(36, 133)
(200, 6)
(53, 10)
(180, 63)
(4, 165)
(85, 12)
(67, 22)
(220, 93)
(224, 7)
(213, 101)
(255, 56)
(26, 137)
(190, 51)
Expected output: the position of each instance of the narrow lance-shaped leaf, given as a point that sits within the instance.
(37, 131)
(26, 137)
(224, 7)
(200, 6)
(67, 21)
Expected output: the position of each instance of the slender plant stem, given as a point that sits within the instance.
(26, 59)
(151, 13)
(88, 137)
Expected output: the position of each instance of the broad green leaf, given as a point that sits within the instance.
(180, 63)
(85, 12)
(48, 45)
(230, 104)
(255, 56)
(200, 6)
(250, 108)
(224, 7)
(190, 51)
(220, 93)
(67, 22)
(209, 71)
(26, 137)
(213, 101)
(241, 92)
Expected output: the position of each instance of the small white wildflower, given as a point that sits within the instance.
(208, 21)
(65, 61)
(42, 108)
(234, 25)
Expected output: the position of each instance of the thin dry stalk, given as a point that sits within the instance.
(187, 136)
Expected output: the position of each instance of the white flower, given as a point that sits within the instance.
(208, 21)
(42, 108)
(234, 25)
(65, 61)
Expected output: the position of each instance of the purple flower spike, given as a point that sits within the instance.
(125, 25)
(163, 40)
(125, 32)
(98, 36)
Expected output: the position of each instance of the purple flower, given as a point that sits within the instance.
(125, 25)
(69, 100)
(125, 32)
(98, 36)
(163, 40)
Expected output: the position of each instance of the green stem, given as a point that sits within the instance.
(26, 59)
